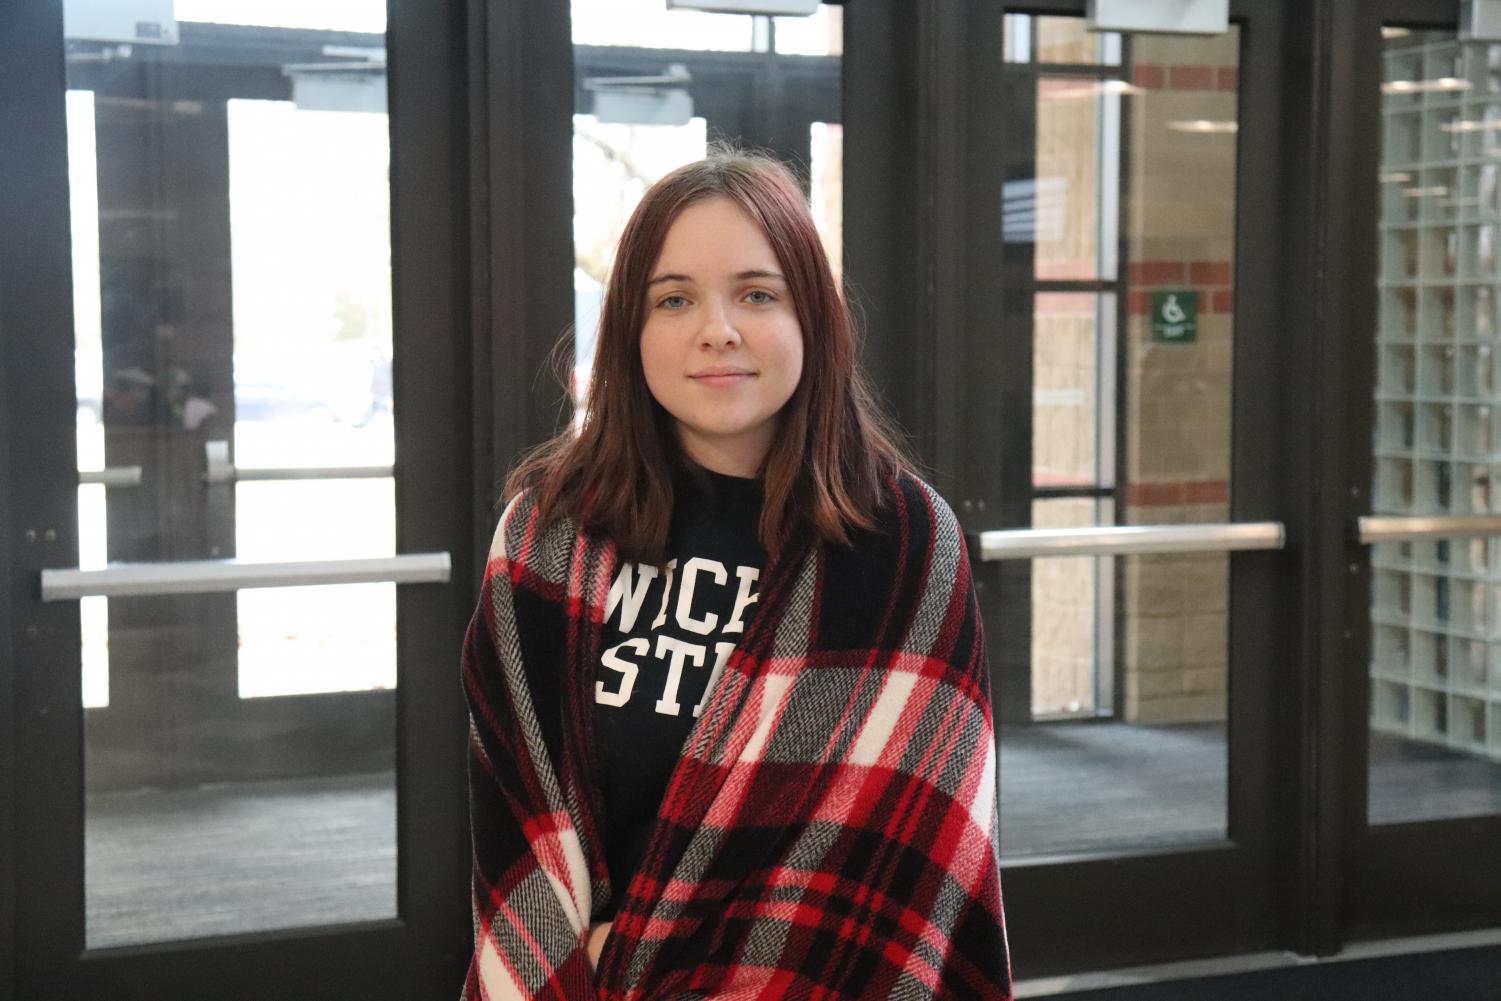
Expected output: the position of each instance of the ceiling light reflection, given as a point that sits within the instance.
(1202, 125)
(1443, 83)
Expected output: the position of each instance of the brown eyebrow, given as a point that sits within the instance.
(742, 276)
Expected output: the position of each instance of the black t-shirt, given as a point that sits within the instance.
(659, 653)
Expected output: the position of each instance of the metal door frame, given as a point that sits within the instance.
(8, 838)
(481, 198)
(1421, 877)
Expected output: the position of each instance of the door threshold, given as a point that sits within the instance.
(1250, 962)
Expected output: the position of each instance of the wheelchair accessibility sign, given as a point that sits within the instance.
(1175, 316)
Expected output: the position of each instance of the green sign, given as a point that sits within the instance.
(1175, 316)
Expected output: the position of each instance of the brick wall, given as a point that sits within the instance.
(1177, 436)
(1180, 219)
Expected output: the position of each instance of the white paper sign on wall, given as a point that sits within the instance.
(643, 106)
(1480, 20)
(788, 8)
(147, 22)
(1178, 17)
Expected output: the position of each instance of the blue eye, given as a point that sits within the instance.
(669, 299)
(769, 297)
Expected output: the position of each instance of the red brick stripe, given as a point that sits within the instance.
(1185, 76)
(1202, 276)
(1211, 301)
(1190, 78)
(1177, 492)
(1197, 274)
(1171, 272)
(1206, 491)
(1159, 272)
(1151, 76)
(1209, 272)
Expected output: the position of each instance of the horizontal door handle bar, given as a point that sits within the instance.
(218, 469)
(1403, 528)
(312, 473)
(130, 476)
(118, 580)
(112, 476)
(1126, 540)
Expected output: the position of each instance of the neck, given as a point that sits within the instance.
(729, 461)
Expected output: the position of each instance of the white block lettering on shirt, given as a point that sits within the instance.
(744, 599)
(706, 625)
(627, 670)
(668, 705)
(672, 566)
(632, 591)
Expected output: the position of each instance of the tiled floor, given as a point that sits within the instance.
(165, 866)
(185, 864)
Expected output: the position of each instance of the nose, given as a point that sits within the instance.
(718, 330)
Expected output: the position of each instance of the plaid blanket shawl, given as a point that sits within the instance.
(830, 829)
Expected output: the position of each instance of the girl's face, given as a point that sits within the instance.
(721, 346)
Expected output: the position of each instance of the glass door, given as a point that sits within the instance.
(1116, 565)
(1432, 809)
(1120, 228)
(217, 773)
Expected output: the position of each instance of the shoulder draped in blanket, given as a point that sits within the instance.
(829, 830)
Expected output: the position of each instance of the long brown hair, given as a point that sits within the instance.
(833, 442)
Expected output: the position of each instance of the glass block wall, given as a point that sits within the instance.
(1436, 620)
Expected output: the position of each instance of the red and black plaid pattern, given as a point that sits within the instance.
(830, 830)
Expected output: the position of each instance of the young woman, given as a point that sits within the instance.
(730, 722)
